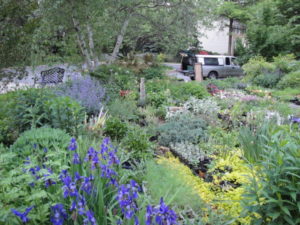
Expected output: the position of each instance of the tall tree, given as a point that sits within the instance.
(163, 22)
(17, 25)
(234, 10)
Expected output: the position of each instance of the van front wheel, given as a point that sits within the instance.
(213, 75)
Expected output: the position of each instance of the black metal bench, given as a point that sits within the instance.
(52, 76)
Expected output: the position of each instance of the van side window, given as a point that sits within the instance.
(227, 61)
(211, 61)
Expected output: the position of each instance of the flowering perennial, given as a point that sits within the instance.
(127, 195)
(22, 216)
(161, 215)
(59, 214)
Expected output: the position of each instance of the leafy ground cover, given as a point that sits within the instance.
(216, 152)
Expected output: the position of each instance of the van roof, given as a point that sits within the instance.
(210, 56)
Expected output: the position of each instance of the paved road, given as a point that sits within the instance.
(174, 71)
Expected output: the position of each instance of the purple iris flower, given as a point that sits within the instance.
(162, 214)
(113, 158)
(77, 177)
(72, 145)
(90, 219)
(92, 157)
(79, 204)
(104, 147)
(49, 181)
(107, 172)
(63, 174)
(69, 187)
(295, 119)
(22, 216)
(76, 159)
(87, 185)
(59, 214)
(127, 195)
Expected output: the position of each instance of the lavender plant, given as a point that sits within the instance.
(87, 91)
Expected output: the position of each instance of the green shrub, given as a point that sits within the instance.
(29, 111)
(125, 109)
(182, 129)
(185, 90)
(115, 76)
(8, 130)
(34, 108)
(65, 113)
(157, 99)
(153, 72)
(291, 80)
(284, 62)
(257, 66)
(115, 128)
(35, 141)
(272, 196)
(137, 143)
(162, 181)
(267, 80)
(158, 85)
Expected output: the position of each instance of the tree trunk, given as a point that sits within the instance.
(119, 41)
(82, 44)
(92, 46)
(230, 37)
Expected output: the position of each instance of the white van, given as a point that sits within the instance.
(213, 66)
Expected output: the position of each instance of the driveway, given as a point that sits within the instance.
(173, 72)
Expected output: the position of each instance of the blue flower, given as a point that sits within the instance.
(58, 214)
(90, 219)
(63, 174)
(77, 177)
(127, 195)
(72, 145)
(22, 216)
(49, 181)
(107, 172)
(79, 204)
(162, 214)
(113, 159)
(69, 187)
(92, 157)
(87, 185)
(76, 159)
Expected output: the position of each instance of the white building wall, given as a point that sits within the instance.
(215, 39)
